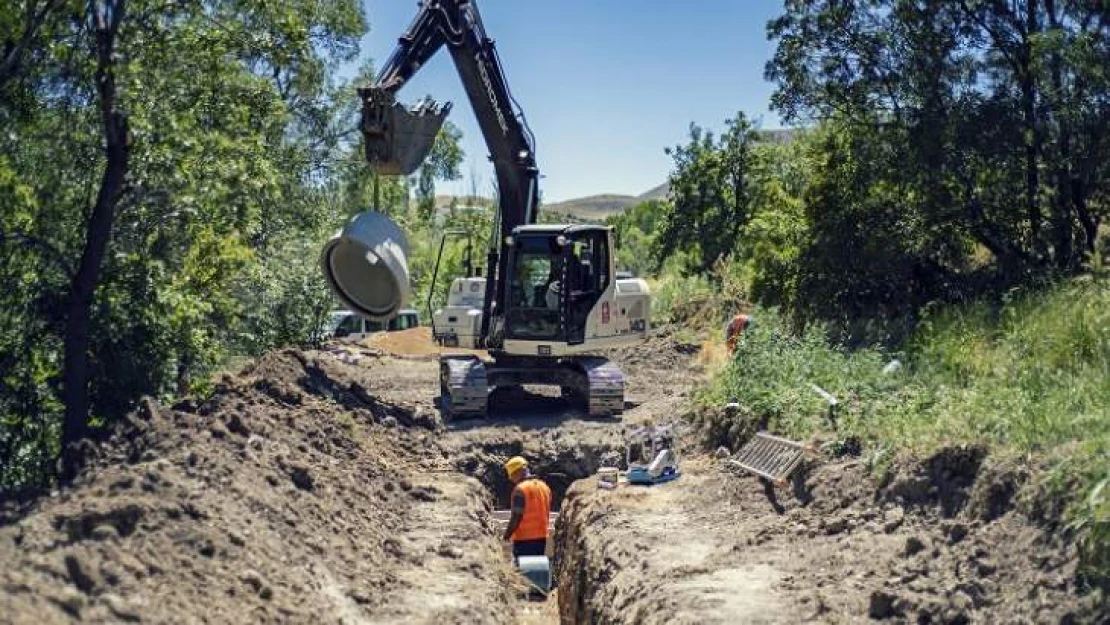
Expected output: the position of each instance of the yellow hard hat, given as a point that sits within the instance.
(514, 464)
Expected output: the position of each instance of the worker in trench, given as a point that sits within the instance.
(531, 507)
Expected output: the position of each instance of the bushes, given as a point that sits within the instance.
(1032, 374)
(1029, 376)
(770, 376)
(701, 302)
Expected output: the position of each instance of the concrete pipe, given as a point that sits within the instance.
(366, 265)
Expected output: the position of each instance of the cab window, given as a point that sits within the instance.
(402, 322)
(351, 324)
(588, 278)
(535, 291)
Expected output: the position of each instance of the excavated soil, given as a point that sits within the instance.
(293, 495)
(414, 344)
(713, 547)
(323, 487)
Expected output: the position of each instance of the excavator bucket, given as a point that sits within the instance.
(398, 138)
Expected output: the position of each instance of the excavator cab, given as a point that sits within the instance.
(557, 275)
(589, 277)
(536, 267)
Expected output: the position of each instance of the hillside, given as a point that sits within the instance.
(606, 204)
(656, 193)
(592, 207)
(598, 207)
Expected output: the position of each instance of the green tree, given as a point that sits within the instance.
(711, 187)
(986, 109)
(153, 152)
(442, 163)
(635, 231)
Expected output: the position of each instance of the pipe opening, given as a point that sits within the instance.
(364, 281)
(366, 266)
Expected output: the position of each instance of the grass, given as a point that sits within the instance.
(700, 302)
(1029, 377)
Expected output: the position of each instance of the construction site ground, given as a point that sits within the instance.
(323, 487)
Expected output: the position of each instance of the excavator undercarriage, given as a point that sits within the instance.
(467, 381)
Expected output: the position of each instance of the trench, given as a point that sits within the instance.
(558, 470)
(560, 465)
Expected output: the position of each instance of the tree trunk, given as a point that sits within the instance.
(99, 231)
(184, 373)
(1089, 222)
(1032, 140)
(1063, 201)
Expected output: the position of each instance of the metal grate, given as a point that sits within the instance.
(770, 457)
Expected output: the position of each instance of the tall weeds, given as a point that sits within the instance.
(1027, 376)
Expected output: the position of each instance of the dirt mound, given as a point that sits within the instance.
(310, 487)
(415, 343)
(324, 487)
(293, 494)
(715, 548)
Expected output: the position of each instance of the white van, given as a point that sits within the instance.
(346, 324)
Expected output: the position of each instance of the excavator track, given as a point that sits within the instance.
(464, 389)
(604, 387)
(466, 381)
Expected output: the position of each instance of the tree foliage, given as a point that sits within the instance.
(992, 116)
(635, 231)
(735, 212)
(711, 192)
(953, 149)
(168, 172)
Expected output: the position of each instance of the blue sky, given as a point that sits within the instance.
(606, 85)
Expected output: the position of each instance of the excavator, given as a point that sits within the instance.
(552, 298)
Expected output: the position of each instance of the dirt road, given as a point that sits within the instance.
(322, 487)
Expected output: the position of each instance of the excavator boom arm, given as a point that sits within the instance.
(398, 139)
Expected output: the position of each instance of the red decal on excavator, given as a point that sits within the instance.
(605, 312)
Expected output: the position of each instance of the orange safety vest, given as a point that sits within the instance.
(537, 508)
(735, 328)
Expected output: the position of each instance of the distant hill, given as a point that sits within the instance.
(593, 207)
(590, 208)
(657, 193)
(598, 207)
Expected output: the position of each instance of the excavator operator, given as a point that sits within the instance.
(531, 507)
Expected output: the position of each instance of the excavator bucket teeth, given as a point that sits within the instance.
(399, 138)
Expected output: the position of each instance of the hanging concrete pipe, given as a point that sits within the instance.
(366, 266)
